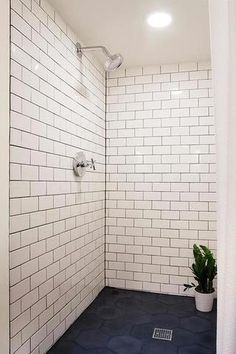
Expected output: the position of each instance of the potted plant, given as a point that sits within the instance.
(204, 270)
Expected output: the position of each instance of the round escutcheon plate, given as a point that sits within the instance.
(79, 164)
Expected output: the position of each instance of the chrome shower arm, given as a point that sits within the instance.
(80, 49)
(112, 61)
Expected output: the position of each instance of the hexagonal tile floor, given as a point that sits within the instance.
(122, 322)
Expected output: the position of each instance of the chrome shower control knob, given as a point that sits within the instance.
(80, 164)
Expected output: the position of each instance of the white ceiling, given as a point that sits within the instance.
(121, 26)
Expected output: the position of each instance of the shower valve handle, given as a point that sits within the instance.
(90, 164)
(80, 164)
(93, 164)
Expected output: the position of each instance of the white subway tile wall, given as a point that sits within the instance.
(160, 186)
(57, 219)
(160, 183)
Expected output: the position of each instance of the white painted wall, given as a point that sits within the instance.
(223, 34)
(4, 176)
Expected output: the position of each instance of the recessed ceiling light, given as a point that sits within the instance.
(159, 19)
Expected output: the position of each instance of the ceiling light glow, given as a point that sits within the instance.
(159, 19)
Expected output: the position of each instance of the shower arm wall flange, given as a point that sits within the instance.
(95, 47)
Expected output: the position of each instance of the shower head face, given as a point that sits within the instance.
(113, 62)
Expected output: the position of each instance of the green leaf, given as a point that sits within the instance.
(204, 269)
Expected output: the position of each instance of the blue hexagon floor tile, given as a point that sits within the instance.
(196, 324)
(157, 347)
(122, 322)
(125, 345)
(194, 349)
(90, 339)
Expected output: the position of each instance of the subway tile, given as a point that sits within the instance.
(42, 145)
(158, 166)
(172, 171)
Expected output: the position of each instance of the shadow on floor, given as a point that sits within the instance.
(122, 322)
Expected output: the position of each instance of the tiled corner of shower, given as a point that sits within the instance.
(57, 220)
(159, 142)
(160, 174)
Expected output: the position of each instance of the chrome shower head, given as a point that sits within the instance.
(112, 63)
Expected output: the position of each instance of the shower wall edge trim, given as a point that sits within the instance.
(4, 174)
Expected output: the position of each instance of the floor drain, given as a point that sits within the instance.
(162, 333)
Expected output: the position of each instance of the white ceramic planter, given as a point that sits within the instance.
(204, 302)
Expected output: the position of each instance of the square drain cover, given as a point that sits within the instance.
(162, 333)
